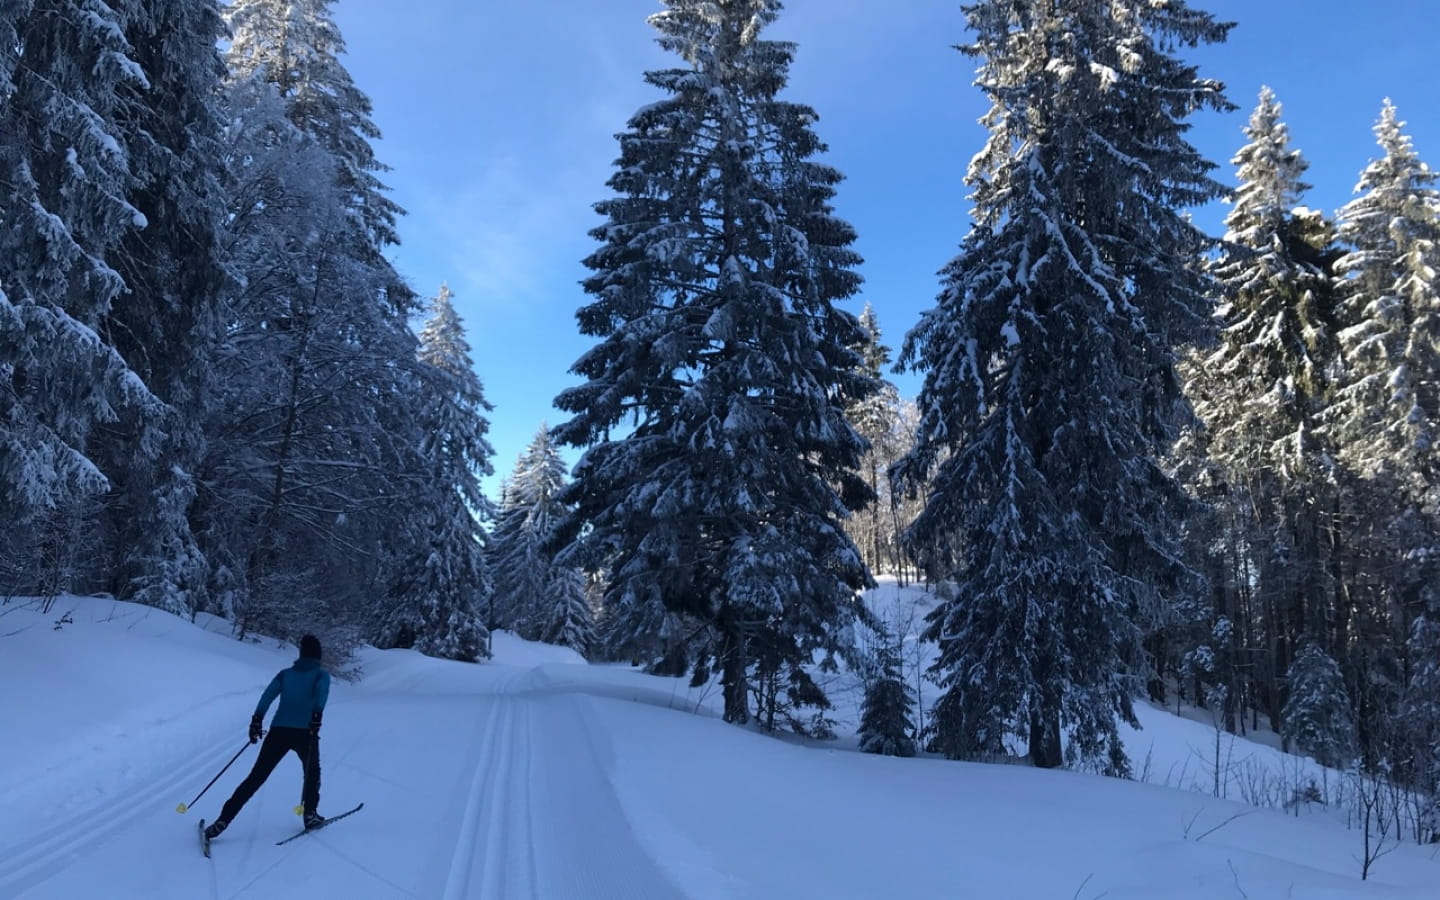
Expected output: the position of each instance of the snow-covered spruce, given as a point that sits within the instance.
(721, 465)
(297, 47)
(1258, 456)
(1319, 718)
(1385, 420)
(65, 210)
(441, 583)
(1050, 384)
(171, 324)
(538, 594)
(1386, 412)
(887, 715)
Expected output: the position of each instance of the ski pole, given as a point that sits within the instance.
(182, 808)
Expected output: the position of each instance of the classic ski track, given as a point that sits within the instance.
(446, 855)
(518, 838)
(508, 835)
(519, 791)
(482, 823)
(32, 862)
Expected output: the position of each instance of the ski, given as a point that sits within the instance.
(302, 833)
(204, 841)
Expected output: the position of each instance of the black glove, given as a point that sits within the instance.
(256, 732)
(315, 723)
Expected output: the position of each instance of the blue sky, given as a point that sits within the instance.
(499, 119)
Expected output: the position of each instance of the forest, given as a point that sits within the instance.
(1145, 462)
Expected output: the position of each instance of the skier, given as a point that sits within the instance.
(303, 689)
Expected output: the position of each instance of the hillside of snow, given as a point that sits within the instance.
(536, 775)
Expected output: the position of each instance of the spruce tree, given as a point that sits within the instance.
(1260, 397)
(170, 322)
(1385, 419)
(886, 718)
(720, 466)
(67, 75)
(1270, 374)
(539, 593)
(441, 588)
(519, 569)
(1050, 385)
(296, 46)
(457, 428)
(1389, 405)
(1386, 414)
(571, 622)
(1318, 717)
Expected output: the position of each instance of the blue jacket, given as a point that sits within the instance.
(303, 689)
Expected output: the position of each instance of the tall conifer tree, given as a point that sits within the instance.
(1050, 372)
(536, 594)
(67, 75)
(1386, 421)
(169, 323)
(714, 401)
(1261, 395)
(442, 584)
(1388, 410)
(1318, 716)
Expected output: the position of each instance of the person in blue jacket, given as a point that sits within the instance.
(303, 689)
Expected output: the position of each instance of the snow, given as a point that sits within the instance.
(537, 775)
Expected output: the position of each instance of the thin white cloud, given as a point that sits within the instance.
(510, 227)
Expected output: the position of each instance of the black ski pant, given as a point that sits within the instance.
(279, 741)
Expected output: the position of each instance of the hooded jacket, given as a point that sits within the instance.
(303, 689)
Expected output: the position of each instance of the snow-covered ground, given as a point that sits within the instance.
(539, 776)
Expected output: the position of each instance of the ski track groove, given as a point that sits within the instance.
(525, 826)
(527, 708)
(495, 864)
(507, 870)
(444, 860)
(32, 862)
(462, 860)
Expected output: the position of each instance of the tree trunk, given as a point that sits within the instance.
(1045, 739)
(1158, 647)
(874, 512)
(732, 673)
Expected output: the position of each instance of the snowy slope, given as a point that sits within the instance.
(539, 776)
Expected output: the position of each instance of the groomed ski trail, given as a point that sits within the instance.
(538, 816)
(53, 848)
(475, 786)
